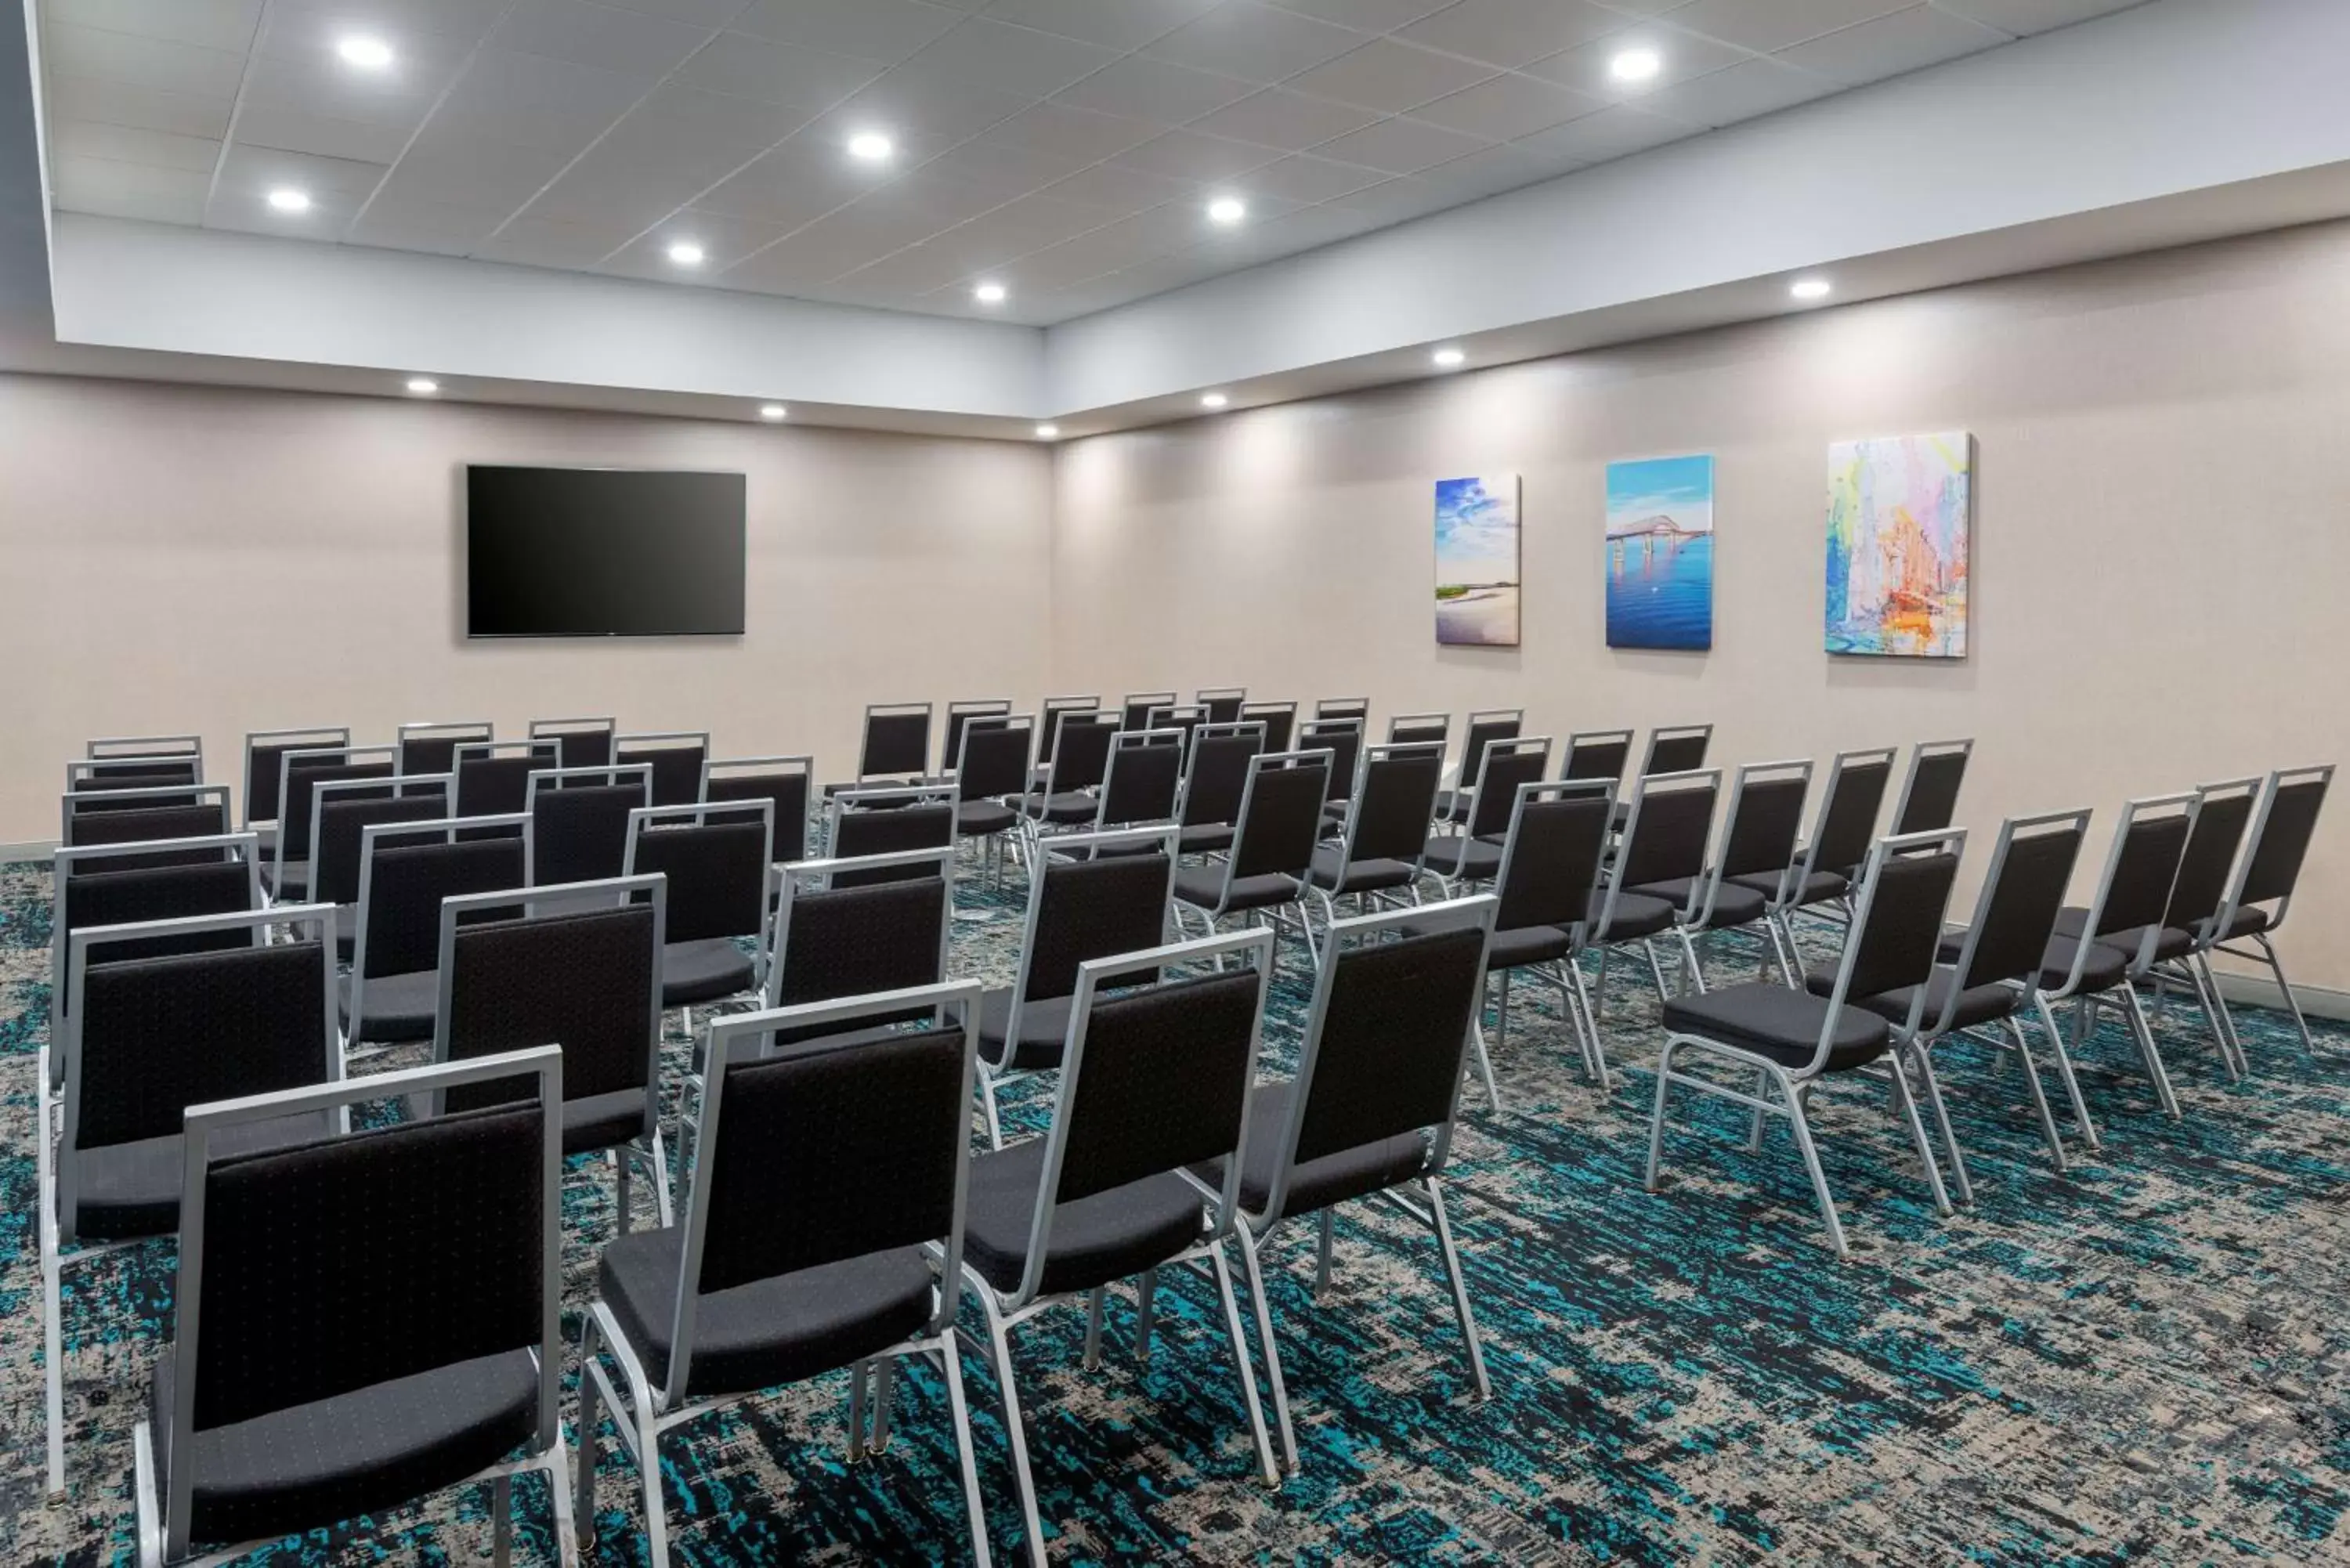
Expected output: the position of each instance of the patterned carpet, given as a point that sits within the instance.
(2146, 1360)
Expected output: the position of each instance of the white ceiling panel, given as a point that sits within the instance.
(1370, 16)
(1904, 41)
(1290, 121)
(1764, 27)
(547, 241)
(1305, 180)
(694, 13)
(791, 74)
(989, 54)
(1153, 89)
(151, 62)
(415, 224)
(140, 108)
(1513, 32)
(118, 189)
(725, 241)
(128, 144)
(887, 30)
(1752, 88)
(1261, 43)
(1068, 131)
(209, 24)
(1588, 68)
(598, 36)
(293, 130)
(1114, 24)
(1388, 76)
(1505, 109)
(473, 172)
(1403, 146)
(1117, 191)
(301, 84)
(2027, 16)
(1187, 155)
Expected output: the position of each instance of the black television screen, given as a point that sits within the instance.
(602, 552)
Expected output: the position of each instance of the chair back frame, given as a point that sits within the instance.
(303, 761)
(370, 838)
(1367, 774)
(1887, 851)
(2074, 822)
(1485, 727)
(1694, 738)
(2241, 890)
(645, 818)
(1259, 766)
(643, 746)
(1603, 742)
(1224, 703)
(1066, 846)
(64, 863)
(1140, 743)
(1818, 849)
(815, 875)
(1706, 779)
(544, 752)
(273, 743)
(1050, 714)
(791, 839)
(154, 795)
(555, 730)
(454, 731)
(1489, 810)
(553, 780)
(883, 713)
(1938, 756)
(1536, 791)
(959, 715)
(394, 788)
(1706, 892)
(990, 723)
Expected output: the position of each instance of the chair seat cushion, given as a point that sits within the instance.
(1818, 887)
(1472, 860)
(1732, 905)
(768, 1331)
(2169, 941)
(2250, 919)
(604, 1121)
(1976, 1004)
(1770, 1020)
(400, 1007)
(1205, 838)
(976, 817)
(1205, 885)
(130, 1190)
(1637, 916)
(289, 883)
(1454, 805)
(701, 971)
(1317, 1183)
(376, 1448)
(1043, 1029)
(1110, 1236)
(1527, 944)
(1331, 871)
(1070, 806)
(2104, 969)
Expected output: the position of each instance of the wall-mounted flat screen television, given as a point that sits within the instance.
(602, 552)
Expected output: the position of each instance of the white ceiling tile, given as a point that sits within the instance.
(598, 36)
(694, 13)
(1010, 169)
(1401, 146)
(432, 33)
(916, 270)
(1389, 77)
(1587, 67)
(832, 246)
(1305, 178)
(922, 113)
(1260, 42)
(725, 239)
(986, 53)
(887, 30)
(1512, 32)
(788, 186)
(543, 242)
(140, 108)
(1187, 155)
(2028, 16)
(807, 79)
(1743, 92)
(1153, 89)
(624, 199)
(940, 195)
(211, 24)
(530, 101)
(1491, 170)
(117, 190)
(292, 130)
(1369, 15)
(405, 222)
(1611, 133)
(1279, 118)
(257, 171)
(128, 144)
(1507, 108)
(300, 84)
(1116, 190)
(1115, 24)
(472, 173)
(1394, 200)
(1071, 132)
(1765, 25)
(1904, 41)
(69, 50)
(1019, 227)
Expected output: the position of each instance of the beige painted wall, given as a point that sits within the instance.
(183, 557)
(2162, 540)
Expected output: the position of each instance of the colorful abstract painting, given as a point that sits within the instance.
(1898, 516)
(1477, 561)
(1661, 553)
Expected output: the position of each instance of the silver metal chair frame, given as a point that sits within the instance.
(644, 817)
(1366, 759)
(1692, 921)
(285, 769)
(134, 748)
(2122, 998)
(552, 778)
(957, 717)
(2283, 778)
(1136, 740)
(556, 729)
(1264, 762)
(818, 874)
(460, 731)
(1583, 738)
(393, 787)
(1705, 778)
(1565, 972)
(329, 736)
(1478, 716)
(64, 862)
(1920, 754)
(161, 794)
(1783, 909)
(355, 1048)
(864, 737)
(542, 747)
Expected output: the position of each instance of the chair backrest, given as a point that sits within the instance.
(1342, 739)
(578, 743)
(430, 747)
(1552, 860)
(882, 822)
(2222, 813)
(1407, 729)
(1081, 754)
(1281, 814)
(1216, 773)
(993, 755)
(1896, 926)
(94, 786)
(1153, 1080)
(156, 817)
(578, 827)
(1139, 705)
(829, 941)
(1355, 708)
(1668, 828)
(1847, 822)
(2287, 819)
(148, 748)
(1485, 727)
(1054, 711)
(818, 1157)
(580, 968)
(897, 740)
(2015, 912)
(406, 869)
(343, 811)
(300, 773)
(1394, 798)
(1185, 717)
(1765, 818)
(1084, 904)
(365, 1257)
(1279, 719)
(1507, 764)
(716, 866)
(959, 717)
(1224, 703)
(264, 756)
(91, 886)
(1929, 791)
(675, 758)
(1145, 779)
(786, 784)
(493, 776)
(1597, 754)
(1387, 1035)
(1676, 748)
(2143, 864)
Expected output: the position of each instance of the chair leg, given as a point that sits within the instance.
(1094, 1328)
(858, 1373)
(1501, 1012)
(1963, 1188)
(951, 1361)
(658, 1159)
(583, 1483)
(1656, 1120)
(2223, 1015)
(1905, 1098)
(987, 1105)
(1591, 1023)
(649, 1465)
(2039, 1095)
(1268, 1468)
(1322, 1256)
(1688, 954)
(2292, 1002)
(1262, 1306)
(501, 1520)
(559, 1498)
(2204, 1000)
(1484, 1063)
(1015, 1435)
(1779, 949)
(1803, 1125)
(2064, 1071)
(1755, 1125)
(621, 1190)
(1146, 1311)
(1459, 1288)
(1655, 971)
(53, 1336)
(2134, 1013)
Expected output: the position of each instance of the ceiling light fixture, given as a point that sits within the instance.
(773, 411)
(1046, 433)
(685, 252)
(989, 294)
(1811, 288)
(1226, 211)
(285, 199)
(870, 147)
(423, 386)
(368, 54)
(1446, 358)
(1636, 66)
(1213, 400)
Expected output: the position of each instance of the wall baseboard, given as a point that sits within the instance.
(2260, 991)
(35, 849)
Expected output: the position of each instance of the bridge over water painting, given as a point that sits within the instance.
(1661, 553)
(1899, 514)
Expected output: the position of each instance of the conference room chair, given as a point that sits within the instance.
(1142, 785)
(364, 1320)
(990, 770)
(1416, 729)
(1777, 1039)
(156, 815)
(1279, 719)
(822, 1229)
(1355, 708)
(1982, 993)
(1758, 840)
(264, 757)
(1842, 830)
(1385, 839)
(493, 776)
(1672, 749)
(675, 758)
(1472, 853)
(1342, 739)
(959, 716)
(1136, 707)
(119, 885)
(286, 874)
(786, 783)
(894, 749)
(430, 747)
(95, 785)
(869, 822)
(2261, 893)
(2223, 814)
(578, 743)
(845, 928)
(392, 993)
(1215, 779)
(341, 811)
(717, 873)
(1597, 754)
(579, 967)
(146, 753)
(1667, 827)
(577, 826)
(1185, 717)
(1485, 727)
(1224, 703)
(147, 1035)
(1273, 848)
(1154, 1083)
(1548, 890)
(1064, 799)
(1371, 1111)
(1930, 790)
(1049, 716)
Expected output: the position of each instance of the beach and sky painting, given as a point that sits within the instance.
(1898, 516)
(1661, 553)
(1477, 561)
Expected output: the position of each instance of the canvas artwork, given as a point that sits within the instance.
(1661, 553)
(1899, 518)
(1477, 561)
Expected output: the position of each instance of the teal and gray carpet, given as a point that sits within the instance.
(2146, 1360)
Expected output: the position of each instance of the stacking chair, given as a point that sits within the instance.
(1929, 791)
(1386, 833)
(1139, 705)
(1092, 896)
(580, 742)
(1063, 798)
(155, 815)
(1215, 778)
(147, 1035)
(855, 927)
(579, 820)
(1355, 708)
(1676, 748)
(1413, 728)
(95, 784)
(2224, 812)
(579, 967)
(342, 810)
(1758, 840)
(1143, 784)
(1272, 848)
(1279, 719)
(1473, 854)
(2266, 876)
(870, 821)
(1155, 1082)
(786, 782)
(990, 769)
(493, 776)
(1841, 832)
(119, 885)
(1342, 739)
(1224, 703)
(675, 758)
(285, 875)
(959, 717)
(1050, 714)
(265, 754)
(1183, 717)
(392, 994)
(716, 867)
(430, 747)
(895, 748)
(147, 751)
(1597, 754)
(1485, 727)
(1667, 825)
(1371, 1111)
(823, 1229)
(1547, 888)
(1790, 1040)
(361, 1320)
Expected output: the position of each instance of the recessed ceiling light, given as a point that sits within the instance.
(1636, 66)
(1447, 358)
(423, 386)
(285, 199)
(870, 147)
(1811, 288)
(368, 54)
(1046, 433)
(1213, 400)
(1227, 211)
(685, 252)
(989, 294)
(773, 411)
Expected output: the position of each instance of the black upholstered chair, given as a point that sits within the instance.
(1597, 754)
(1183, 717)
(1930, 790)
(1386, 833)
(150, 1029)
(1155, 1082)
(1667, 825)
(1789, 1041)
(959, 718)
(578, 829)
(1485, 727)
(1842, 831)
(1758, 840)
(991, 770)
(1371, 1111)
(786, 782)
(153, 816)
(716, 867)
(264, 752)
(1224, 703)
(894, 749)
(1092, 896)
(1473, 854)
(675, 758)
(341, 813)
(2206, 868)
(1049, 715)
(2270, 869)
(1273, 850)
(1672, 749)
(162, 781)
(1064, 799)
(1215, 777)
(430, 747)
(823, 1229)
(578, 743)
(493, 776)
(1358, 709)
(1547, 886)
(1342, 739)
(1279, 719)
(852, 928)
(1414, 729)
(579, 967)
(392, 993)
(1143, 784)
(146, 753)
(119, 885)
(889, 820)
(1136, 710)
(285, 875)
(363, 1319)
